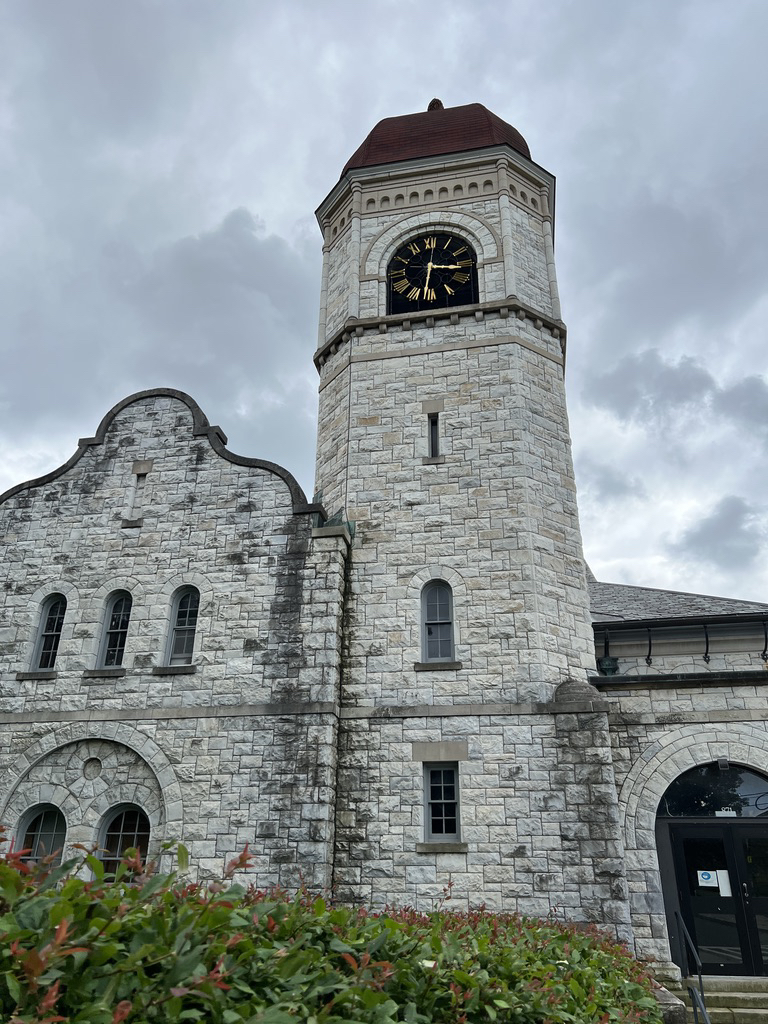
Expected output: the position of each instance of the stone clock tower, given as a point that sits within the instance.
(443, 439)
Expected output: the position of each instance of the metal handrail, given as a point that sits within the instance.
(697, 1001)
(697, 996)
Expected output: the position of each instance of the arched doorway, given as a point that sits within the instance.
(712, 833)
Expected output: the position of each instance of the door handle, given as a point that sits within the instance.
(746, 891)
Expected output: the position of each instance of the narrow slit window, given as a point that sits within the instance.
(433, 426)
(51, 624)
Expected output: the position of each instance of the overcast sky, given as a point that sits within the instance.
(160, 162)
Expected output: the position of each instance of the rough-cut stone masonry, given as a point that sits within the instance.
(245, 736)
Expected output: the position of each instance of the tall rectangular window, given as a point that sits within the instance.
(51, 623)
(116, 630)
(184, 625)
(437, 622)
(441, 785)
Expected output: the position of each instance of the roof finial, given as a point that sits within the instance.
(435, 104)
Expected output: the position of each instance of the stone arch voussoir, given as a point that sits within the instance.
(122, 734)
(665, 758)
(486, 242)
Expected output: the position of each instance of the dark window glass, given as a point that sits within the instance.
(442, 802)
(434, 436)
(127, 828)
(118, 617)
(51, 625)
(712, 791)
(44, 834)
(184, 626)
(438, 622)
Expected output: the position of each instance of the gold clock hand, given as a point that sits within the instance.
(446, 266)
(429, 271)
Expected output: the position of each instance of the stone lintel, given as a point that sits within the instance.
(445, 750)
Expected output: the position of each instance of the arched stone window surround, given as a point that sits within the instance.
(414, 611)
(115, 629)
(185, 613)
(166, 817)
(481, 235)
(667, 756)
(34, 612)
(166, 599)
(94, 610)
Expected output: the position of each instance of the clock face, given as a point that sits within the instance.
(432, 271)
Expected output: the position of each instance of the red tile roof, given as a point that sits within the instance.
(434, 132)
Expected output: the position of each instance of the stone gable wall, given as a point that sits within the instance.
(249, 727)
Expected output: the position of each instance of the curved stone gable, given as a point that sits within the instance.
(200, 427)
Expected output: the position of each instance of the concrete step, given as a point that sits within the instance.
(719, 1015)
(732, 1000)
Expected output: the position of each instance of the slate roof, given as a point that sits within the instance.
(434, 132)
(616, 601)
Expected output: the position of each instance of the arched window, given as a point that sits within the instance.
(42, 831)
(437, 621)
(181, 642)
(716, 790)
(51, 623)
(125, 827)
(118, 615)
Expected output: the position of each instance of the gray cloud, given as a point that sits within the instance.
(132, 134)
(647, 387)
(606, 483)
(729, 537)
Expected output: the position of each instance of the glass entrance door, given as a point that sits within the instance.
(722, 880)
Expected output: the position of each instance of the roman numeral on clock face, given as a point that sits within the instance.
(460, 276)
(401, 285)
(414, 293)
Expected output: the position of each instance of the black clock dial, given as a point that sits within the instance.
(431, 271)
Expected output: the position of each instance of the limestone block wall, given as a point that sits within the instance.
(539, 824)
(247, 732)
(496, 512)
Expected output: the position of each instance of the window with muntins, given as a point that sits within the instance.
(118, 615)
(42, 834)
(183, 626)
(126, 827)
(437, 622)
(441, 784)
(51, 623)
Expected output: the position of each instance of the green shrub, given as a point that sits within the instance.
(144, 947)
